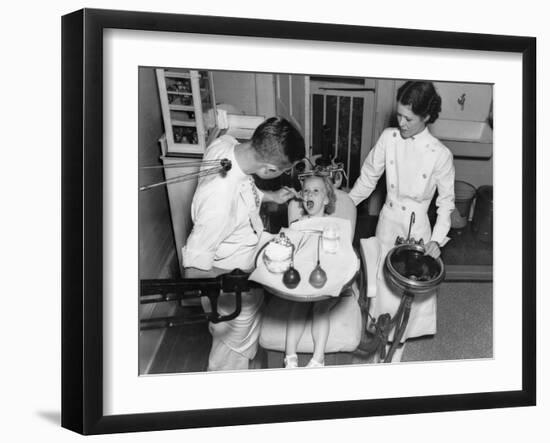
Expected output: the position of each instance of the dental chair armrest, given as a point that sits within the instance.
(195, 284)
(201, 273)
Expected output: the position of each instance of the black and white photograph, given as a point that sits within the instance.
(301, 221)
(252, 222)
(297, 226)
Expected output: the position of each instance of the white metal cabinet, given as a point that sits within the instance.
(188, 110)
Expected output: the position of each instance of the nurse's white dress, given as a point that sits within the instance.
(415, 167)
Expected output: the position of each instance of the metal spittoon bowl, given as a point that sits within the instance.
(407, 268)
(412, 273)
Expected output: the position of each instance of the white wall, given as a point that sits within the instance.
(30, 378)
(251, 94)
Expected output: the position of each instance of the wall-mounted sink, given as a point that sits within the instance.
(462, 130)
(465, 138)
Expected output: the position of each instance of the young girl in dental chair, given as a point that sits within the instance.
(319, 200)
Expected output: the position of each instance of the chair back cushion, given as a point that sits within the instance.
(344, 208)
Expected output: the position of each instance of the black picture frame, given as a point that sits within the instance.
(82, 218)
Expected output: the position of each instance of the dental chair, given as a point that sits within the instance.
(347, 317)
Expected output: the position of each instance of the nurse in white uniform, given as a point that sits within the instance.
(416, 165)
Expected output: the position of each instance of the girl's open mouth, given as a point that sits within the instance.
(309, 204)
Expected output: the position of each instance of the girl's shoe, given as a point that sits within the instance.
(314, 364)
(291, 361)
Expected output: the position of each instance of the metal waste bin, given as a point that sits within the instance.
(464, 196)
(482, 222)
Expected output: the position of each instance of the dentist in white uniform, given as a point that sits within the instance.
(416, 165)
(227, 228)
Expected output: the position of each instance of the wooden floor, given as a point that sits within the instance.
(465, 248)
(464, 331)
(183, 349)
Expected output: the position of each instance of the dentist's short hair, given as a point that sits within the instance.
(278, 142)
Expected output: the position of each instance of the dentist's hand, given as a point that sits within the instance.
(432, 249)
(281, 196)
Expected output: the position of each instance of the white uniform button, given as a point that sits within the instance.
(391, 162)
(391, 204)
(392, 185)
(403, 207)
(395, 134)
(424, 176)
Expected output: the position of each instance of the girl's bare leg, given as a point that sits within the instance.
(321, 328)
(295, 326)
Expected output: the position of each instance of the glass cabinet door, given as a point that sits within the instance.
(206, 87)
(188, 109)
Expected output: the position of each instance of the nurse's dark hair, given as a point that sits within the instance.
(278, 142)
(422, 97)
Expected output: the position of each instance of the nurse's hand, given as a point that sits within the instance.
(432, 249)
(281, 196)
